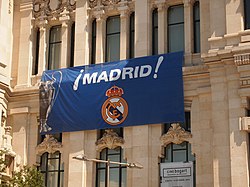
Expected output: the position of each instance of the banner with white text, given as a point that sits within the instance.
(139, 91)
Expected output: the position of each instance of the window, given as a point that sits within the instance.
(52, 169)
(155, 32)
(54, 47)
(113, 39)
(132, 36)
(36, 60)
(176, 28)
(93, 51)
(72, 45)
(117, 173)
(196, 16)
(179, 152)
(247, 14)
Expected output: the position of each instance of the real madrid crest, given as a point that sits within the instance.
(115, 108)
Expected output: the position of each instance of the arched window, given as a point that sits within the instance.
(52, 169)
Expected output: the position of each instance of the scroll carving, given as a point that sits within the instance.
(109, 140)
(176, 134)
(49, 144)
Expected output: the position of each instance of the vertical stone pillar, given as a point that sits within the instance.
(24, 68)
(220, 116)
(188, 31)
(81, 54)
(43, 46)
(238, 139)
(76, 168)
(162, 30)
(234, 16)
(205, 26)
(65, 50)
(124, 36)
(100, 36)
(217, 18)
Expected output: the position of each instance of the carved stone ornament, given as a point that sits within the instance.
(49, 144)
(51, 9)
(94, 3)
(176, 134)
(110, 139)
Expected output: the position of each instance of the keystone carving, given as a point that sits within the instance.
(176, 134)
(49, 144)
(110, 139)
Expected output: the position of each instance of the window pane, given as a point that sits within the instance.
(55, 56)
(113, 25)
(55, 34)
(168, 151)
(196, 16)
(114, 177)
(61, 179)
(190, 155)
(175, 14)
(113, 47)
(124, 177)
(132, 35)
(52, 179)
(43, 162)
(155, 32)
(93, 52)
(101, 178)
(183, 145)
(176, 38)
(179, 156)
(53, 164)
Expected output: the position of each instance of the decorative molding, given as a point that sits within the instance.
(242, 59)
(176, 134)
(51, 10)
(191, 70)
(99, 3)
(245, 82)
(3, 119)
(110, 139)
(49, 144)
(10, 6)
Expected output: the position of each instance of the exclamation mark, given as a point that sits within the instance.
(160, 60)
(75, 86)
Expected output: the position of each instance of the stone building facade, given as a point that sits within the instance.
(214, 34)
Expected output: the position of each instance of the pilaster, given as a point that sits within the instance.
(162, 30)
(124, 36)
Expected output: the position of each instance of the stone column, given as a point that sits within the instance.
(65, 50)
(188, 31)
(43, 46)
(162, 30)
(24, 68)
(124, 36)
(100, 36)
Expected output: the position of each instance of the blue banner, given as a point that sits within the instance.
(139, 91)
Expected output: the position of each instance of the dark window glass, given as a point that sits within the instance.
(247, 14)
(176, 28)
(52, 169)
(132, 36)
(72, 45)
(36, 61)
(93, 42)
(113, 39)
(196, 16)
(54, 47)
(155, 32)
(117, 173)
